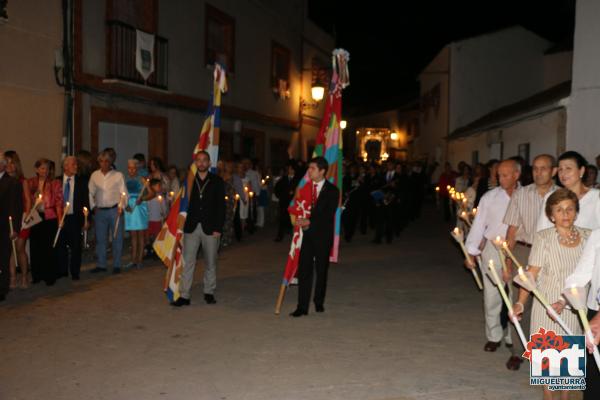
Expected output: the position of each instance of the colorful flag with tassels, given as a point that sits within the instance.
(329, 145)
(168, 244)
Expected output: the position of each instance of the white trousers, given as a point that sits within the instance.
(492, 300)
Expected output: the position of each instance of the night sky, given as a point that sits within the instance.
(391, 41)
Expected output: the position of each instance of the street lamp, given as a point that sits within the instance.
(317, 93)
(394, 136)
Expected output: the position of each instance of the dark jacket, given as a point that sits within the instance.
(81, 198)
(322, 223)
(284, 190)
(208, 211)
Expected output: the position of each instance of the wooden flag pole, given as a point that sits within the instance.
(282, 290)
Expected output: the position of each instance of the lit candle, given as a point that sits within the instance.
(500, 286)
(458, 236)
(448, 187)
(12, 231)
(498, 243)
(226, 198)
(510, 254)
(584, 321)
(171, 195)
(85, 216)
(251, 194)
(262, 181)
(237, 197)
(474, 211)
(62, 221)
(437, 188)
(160, 198)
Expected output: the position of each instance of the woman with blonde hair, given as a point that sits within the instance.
(14, 169)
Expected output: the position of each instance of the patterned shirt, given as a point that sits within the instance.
(524, 210)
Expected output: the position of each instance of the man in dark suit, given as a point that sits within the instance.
(317, 239)
(76, 192)
(284, 190)
(11, 205)
(203, 226)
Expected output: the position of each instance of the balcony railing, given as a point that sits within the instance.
(121, 46)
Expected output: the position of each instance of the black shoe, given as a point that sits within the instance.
(210, 299)
(319, 308)
(116, 271)
(298, 313)
(182, 301)
(97, 270)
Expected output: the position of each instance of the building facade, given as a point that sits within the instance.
(273, 54)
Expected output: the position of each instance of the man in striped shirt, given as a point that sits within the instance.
(488, 224)
(521, 217)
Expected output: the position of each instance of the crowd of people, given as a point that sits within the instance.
(50, 214)
(549, 216)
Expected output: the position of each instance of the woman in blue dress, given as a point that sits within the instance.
(136, 212)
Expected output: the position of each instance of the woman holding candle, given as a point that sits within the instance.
(14, 169)
(554, 255)
(571, 170)
(158, 171)
(44, 263)
(136, 212)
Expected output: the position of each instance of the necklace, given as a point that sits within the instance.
(201, 187)
(570, 239)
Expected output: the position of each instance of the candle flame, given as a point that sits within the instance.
(522, 275)
(491, 264)
(171, 194)
(448, 187)
(456, 231)
(475, 211)
(226, 198)
(505, 245)
(574, 290)
(437, 188)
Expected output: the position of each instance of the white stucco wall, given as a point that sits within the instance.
(31, 103)
(558, 68)
(583, 127)
(545, 135)
(431, 142)
(493, 70)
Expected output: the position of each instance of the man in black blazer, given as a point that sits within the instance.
(318, 237)
(284, 190)
(11, 205)
(203, 225)
(76, 192)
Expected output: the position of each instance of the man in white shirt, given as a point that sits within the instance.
(488, 224)
(108, 197)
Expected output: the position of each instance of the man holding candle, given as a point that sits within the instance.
(75, 191)
(106, 188)
(522, 217)
(11, 205)
(487, 226)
